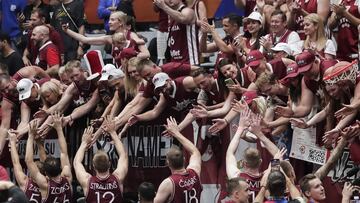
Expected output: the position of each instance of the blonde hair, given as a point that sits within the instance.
(320, 32)
(71, 65)
(52, 87)
(131, 85)
(261, 105)
(121, 16)
(118, 37)
(263, 79)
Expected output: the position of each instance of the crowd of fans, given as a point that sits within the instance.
(274, 119)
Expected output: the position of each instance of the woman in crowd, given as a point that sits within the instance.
(316, 38)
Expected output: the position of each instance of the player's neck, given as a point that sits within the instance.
(251, 171)
(178, 171)
(102, 175)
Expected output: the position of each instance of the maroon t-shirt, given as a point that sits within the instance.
(32, 191)
(278, 67)
(314, 85)
(106, 190)
(59, 191)
(186, 187)
(54, 36)
(254, 184)
(183, 42)
(85, 91)
(174, 70)
(348, 36)
(48, 56)
(182, 100)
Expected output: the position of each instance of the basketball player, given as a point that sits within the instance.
(184, 183)
(104, 187)
(56, 185)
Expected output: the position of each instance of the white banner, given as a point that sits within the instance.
(51, 148)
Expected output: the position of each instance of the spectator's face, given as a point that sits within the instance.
(229, 29)
(77, 75)
(37, 36)
(35, 20)
(203, 82)
(133, 74)
(8, 87)
(269, 89)
(253, 26)
(167, 89)
(260, 68)
(317, 191)
(309, 27)
(148, 73)
(114, 22)
(65, 78)
(333, 90)
(279, 54)
(277, 24)
(172, 3)
(243, 194)
(50, 97)
(229, 71)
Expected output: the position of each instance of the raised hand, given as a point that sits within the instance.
(284, 111)
(33, 126)
(218, 124)
(97, 122)
(133, 119)
(236, 88)
(255, 124)
(346, 110)
(199, 111)
(172, 126)
(12, 136)
(109, 125)
(57, 120)
(239, 106)
(41, 114)
(280, 154)
(87, 135)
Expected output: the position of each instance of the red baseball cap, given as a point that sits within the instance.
(249, 96)
(253, 58)
(305, 60)
(291, 71)
(128, 53)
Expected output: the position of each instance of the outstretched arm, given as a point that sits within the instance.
(88, 40)
(64, 157)
(20, 176)
(29, 158)
(122, 166)
(80, 172)
(195, 156)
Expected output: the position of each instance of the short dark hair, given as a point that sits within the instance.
(40, 12)
(175, 157)
(234, 19)
(5, 36)
(200, 71)
(146, 191)
(233, 184)
(223, 62)
(279, 12)
(101, 161)
(52, 166)
(276, 183)
(304, 182)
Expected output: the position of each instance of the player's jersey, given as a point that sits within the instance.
(32, 191)
(106, 190)
(59, 191)
(254, 184)
(186, 187)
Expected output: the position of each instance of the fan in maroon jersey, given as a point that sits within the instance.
(104, 187)
(56, 185)
(184, 183)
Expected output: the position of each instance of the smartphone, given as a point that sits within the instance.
(275, 164)
(229, 81)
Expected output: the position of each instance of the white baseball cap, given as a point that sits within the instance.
(24, 88)
(110, 70)
(282, 47)
(159, 79)
(254, 16)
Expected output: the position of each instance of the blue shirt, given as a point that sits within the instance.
(9, 11)
(103, 11)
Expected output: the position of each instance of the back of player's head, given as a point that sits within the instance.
(142, 63)
(287, 168)
(40, 166)
(276, 183)
(252, 158)
(175, 157)
(101, 161)
(233, 185)
(146, 191)
(52, 166)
